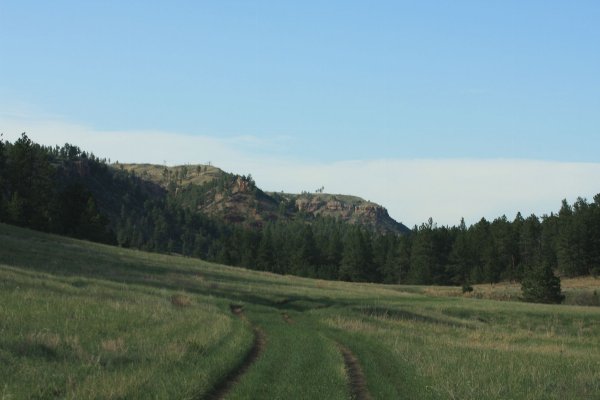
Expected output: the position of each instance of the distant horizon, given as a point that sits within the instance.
(432, 109)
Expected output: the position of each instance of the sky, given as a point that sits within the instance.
(431, 108)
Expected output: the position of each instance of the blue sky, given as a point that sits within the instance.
(316, 83)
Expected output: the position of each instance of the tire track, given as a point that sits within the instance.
(358, 382)
(221, 389)
(356, 377)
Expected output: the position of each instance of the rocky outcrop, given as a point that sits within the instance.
(351, 209)
(241, 186)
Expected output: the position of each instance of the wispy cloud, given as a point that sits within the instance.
(412, 190)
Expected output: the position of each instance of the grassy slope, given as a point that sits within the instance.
(82, 320)
(72, 325)
(155, 172)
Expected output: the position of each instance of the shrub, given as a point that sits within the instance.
(467, 288)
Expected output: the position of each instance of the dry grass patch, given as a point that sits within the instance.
(584, 291)
(181, 300)
(587, 282)
(114, 345)
(350, 324)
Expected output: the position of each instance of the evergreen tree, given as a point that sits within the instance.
(265, 259)
(333, 252)
(423, 255)
(507, 246)
(357, 258)
(30, 180)
(461, 256)
(14, 209)
(594, 236)
(582, 218)
(306, 255)
(385, 258)
(249, 243)
(571, 242)
(549, 238)
(540, 285)
(94, 225)
(530, 244)
(402, 256)
(443, 240)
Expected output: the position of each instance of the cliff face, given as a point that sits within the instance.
(237, 199)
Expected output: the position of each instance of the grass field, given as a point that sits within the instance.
(80, 320)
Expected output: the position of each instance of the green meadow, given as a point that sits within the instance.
(81, 320)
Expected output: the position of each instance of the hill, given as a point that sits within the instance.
(237, 199)
(82, 320)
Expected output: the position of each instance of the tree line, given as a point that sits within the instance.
(68, 191)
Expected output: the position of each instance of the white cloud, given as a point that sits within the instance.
(125, 146)
(446, 190)
(412, 190)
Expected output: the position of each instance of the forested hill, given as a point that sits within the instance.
(201, 211)
(237, 199)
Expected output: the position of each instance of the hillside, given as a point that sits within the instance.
(237, 199)
(81, 320)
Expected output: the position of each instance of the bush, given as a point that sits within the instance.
(467, 288)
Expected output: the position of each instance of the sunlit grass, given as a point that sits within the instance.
(524, 351)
